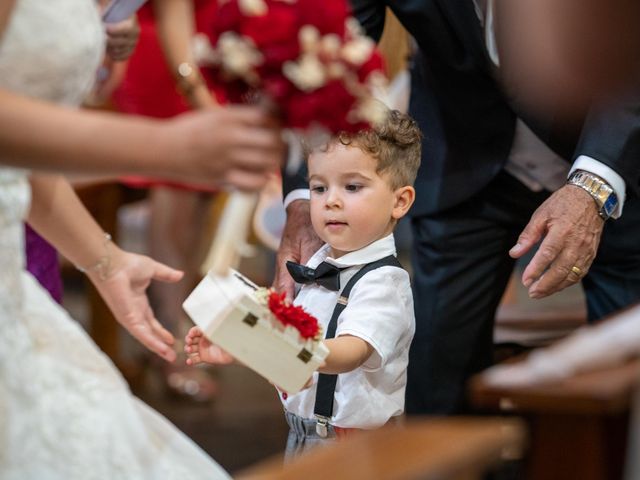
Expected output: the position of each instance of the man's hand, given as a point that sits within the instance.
(299, 242)
(569, 222)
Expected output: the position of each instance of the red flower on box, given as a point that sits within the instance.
(309, 58)
(293, 315)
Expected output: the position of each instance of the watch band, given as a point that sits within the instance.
(601, 192)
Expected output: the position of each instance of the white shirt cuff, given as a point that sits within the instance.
(297, 194)
(592, 165)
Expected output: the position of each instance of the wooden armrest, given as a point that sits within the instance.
(426, 449)
(606, 391)
(513, 315)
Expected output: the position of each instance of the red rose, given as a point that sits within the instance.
(293, 315)
(276, 35)
(279, 26)
(375, 63)
(329, 18)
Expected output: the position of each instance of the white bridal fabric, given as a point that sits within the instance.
(65, 411)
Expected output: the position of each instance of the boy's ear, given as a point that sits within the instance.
(404, 198)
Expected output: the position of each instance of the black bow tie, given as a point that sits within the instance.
(325, 275)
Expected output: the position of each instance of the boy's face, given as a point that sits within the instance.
(351, 205)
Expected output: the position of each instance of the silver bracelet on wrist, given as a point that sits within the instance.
(103, 265)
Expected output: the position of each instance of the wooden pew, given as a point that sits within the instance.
(578, 426)
(443, 449)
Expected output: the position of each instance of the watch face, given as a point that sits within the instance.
(610, 205)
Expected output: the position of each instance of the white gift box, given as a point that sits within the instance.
(227, 311)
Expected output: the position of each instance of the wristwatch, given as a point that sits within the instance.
(603, 194)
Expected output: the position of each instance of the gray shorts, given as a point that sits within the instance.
(303, 437)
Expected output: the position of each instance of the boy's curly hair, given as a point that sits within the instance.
(396, 144)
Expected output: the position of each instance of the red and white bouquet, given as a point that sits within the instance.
(309, 58)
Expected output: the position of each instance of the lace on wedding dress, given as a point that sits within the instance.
(65, 411)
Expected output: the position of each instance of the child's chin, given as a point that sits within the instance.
(345, 248)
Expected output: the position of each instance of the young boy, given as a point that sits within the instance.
(361, 185)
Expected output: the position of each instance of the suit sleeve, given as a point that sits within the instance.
(294, 181)
(611, 135)
(371, 15)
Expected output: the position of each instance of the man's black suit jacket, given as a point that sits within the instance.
(467, 121)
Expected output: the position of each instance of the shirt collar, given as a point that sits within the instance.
(374, 251)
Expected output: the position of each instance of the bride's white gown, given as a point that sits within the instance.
(65, 411)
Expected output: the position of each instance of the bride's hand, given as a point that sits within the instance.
(235, 146)
(123, 287)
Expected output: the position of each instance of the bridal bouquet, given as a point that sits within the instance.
(310, 59)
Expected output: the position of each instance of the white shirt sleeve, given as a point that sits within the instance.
(592, 165)
(297, 194)
(380, 312)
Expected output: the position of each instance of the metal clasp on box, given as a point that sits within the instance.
(250, 319)
(305, 355)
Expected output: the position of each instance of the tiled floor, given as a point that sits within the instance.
(243, 425)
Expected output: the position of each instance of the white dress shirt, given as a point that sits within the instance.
(380, 311)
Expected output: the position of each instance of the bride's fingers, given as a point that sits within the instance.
(153, 343)
(142, 330)
(167, 274)
(166, 336)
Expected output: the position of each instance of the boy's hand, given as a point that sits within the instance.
(200, 350)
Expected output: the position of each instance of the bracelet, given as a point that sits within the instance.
(188, 78)
(103, 265)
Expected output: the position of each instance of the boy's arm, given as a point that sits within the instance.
(346, 353)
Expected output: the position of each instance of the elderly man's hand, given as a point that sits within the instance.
(299, 242)
(569, 222)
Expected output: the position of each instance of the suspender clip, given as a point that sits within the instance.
(322, 426)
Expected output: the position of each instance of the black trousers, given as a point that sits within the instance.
(461, 268)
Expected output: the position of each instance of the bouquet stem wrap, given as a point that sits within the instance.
(231, 235)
